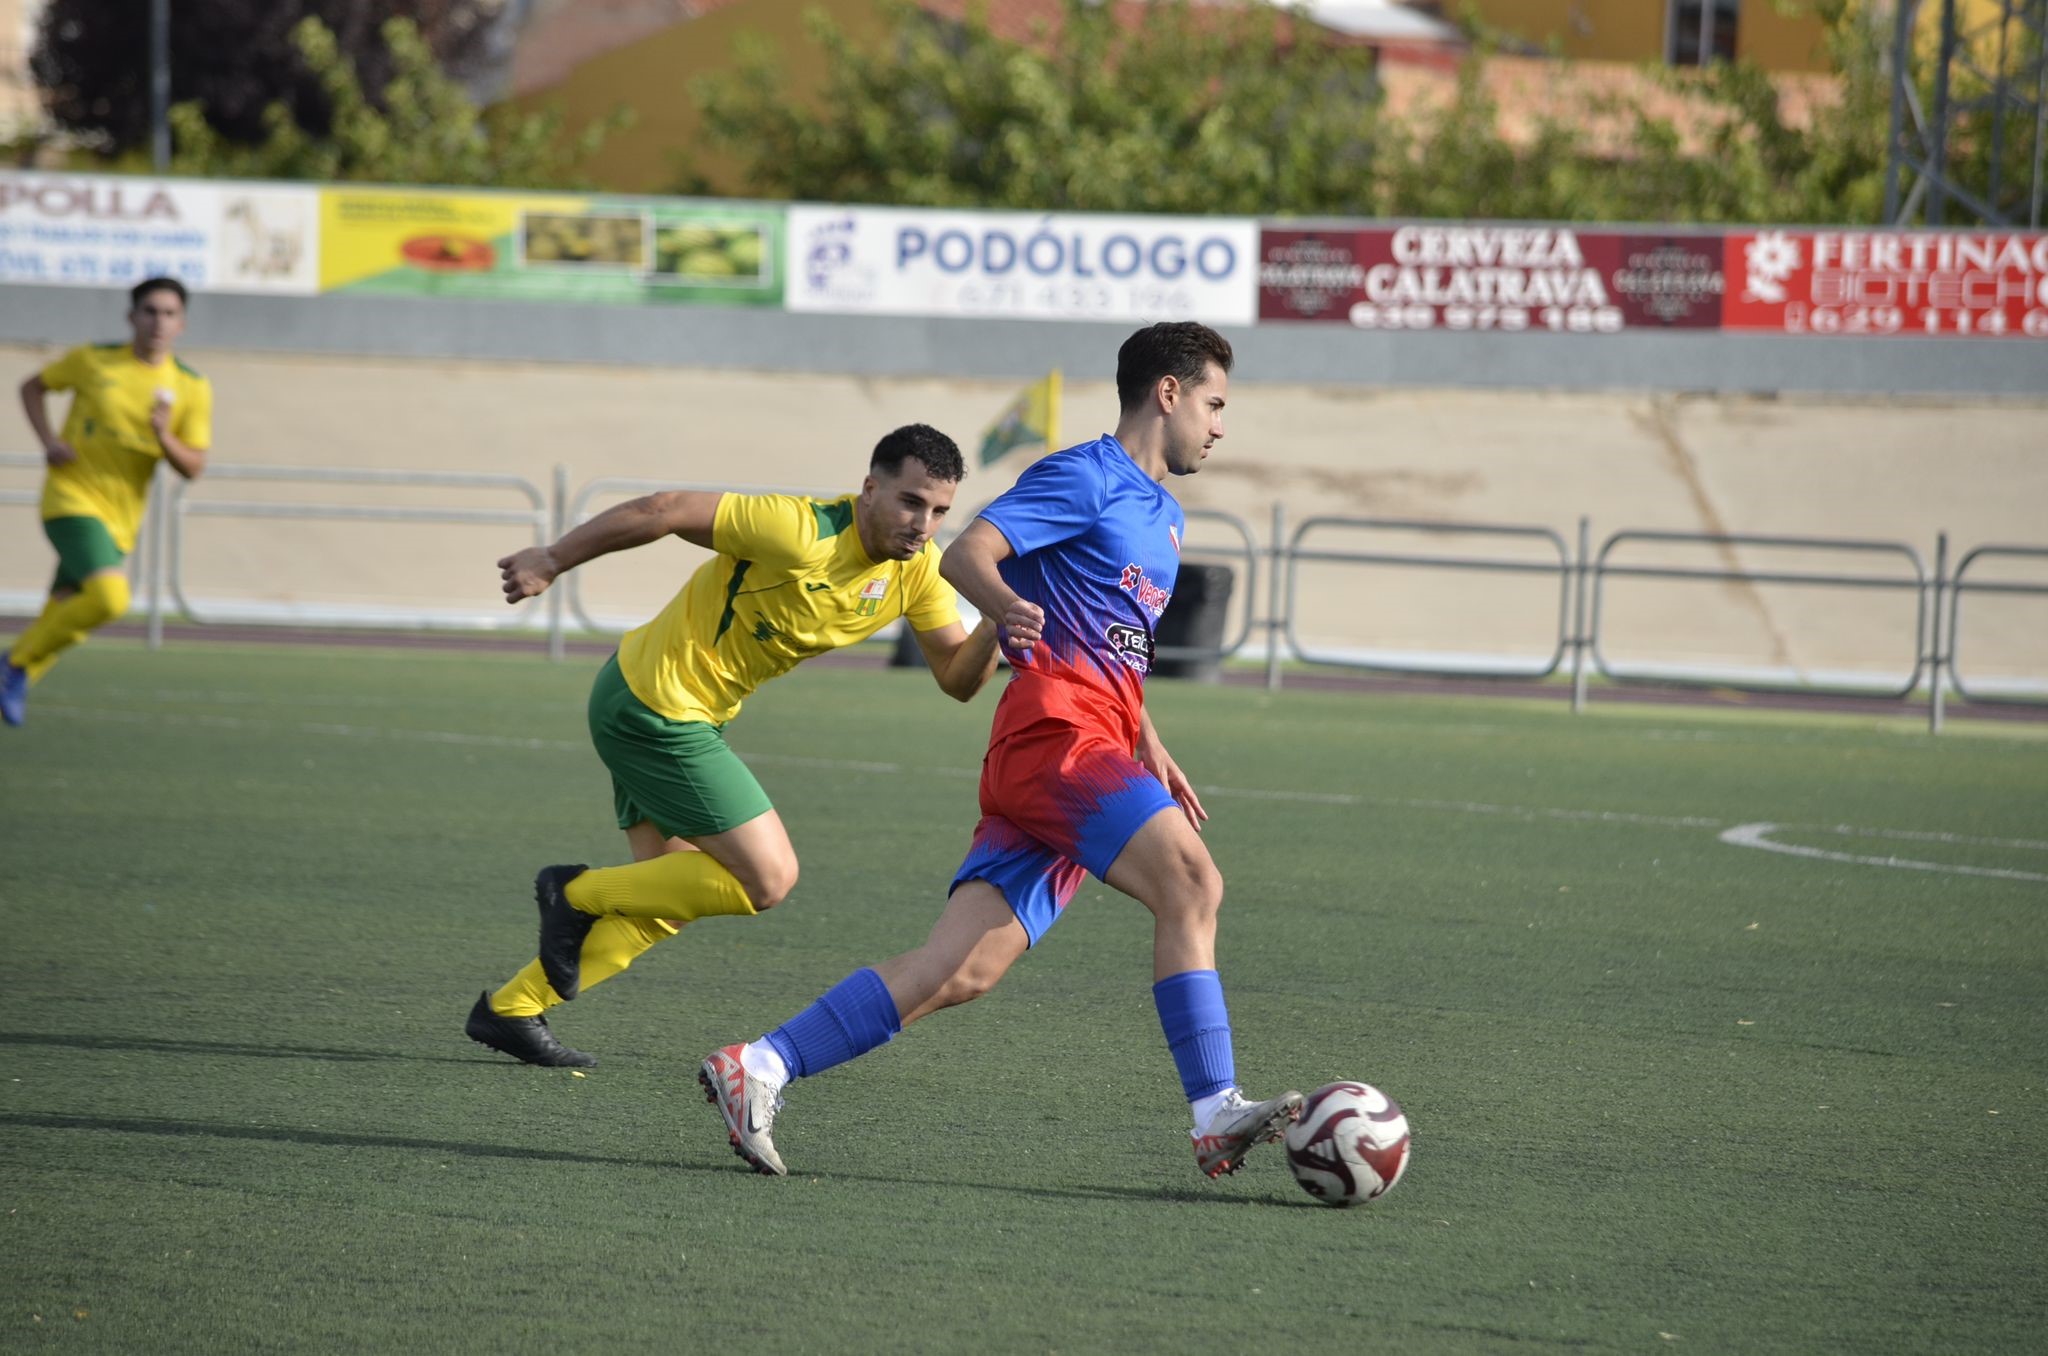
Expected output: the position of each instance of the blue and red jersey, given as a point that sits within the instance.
(1097, 545)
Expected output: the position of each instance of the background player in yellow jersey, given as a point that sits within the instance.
(793, 577)
(133, 404)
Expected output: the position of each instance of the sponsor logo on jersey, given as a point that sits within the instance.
(1133, 645)
(1173, 535)
(1149, 595)
(871, 595)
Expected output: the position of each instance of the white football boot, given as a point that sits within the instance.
(749, 1105)
(1238, 1125)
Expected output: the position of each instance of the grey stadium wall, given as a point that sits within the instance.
(721, 338)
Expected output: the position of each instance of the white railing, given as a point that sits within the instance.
(1581, 572)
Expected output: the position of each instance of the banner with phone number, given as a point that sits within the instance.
(1563, 280)
(1922, 284)
(103, 230)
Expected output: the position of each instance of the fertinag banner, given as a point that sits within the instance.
(911, 261)
(1981, 284)
(548, 247)
(113, 231)
(1512, 279)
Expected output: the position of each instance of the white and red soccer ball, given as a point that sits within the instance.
(1350, 1145)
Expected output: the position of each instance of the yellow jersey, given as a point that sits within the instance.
(108, 427)
(790, 581)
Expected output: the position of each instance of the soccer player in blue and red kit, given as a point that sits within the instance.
(1078, 561)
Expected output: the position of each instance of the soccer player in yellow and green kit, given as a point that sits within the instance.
(793, 578)
(133, 404)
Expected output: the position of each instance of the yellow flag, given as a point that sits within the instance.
(1032, 419)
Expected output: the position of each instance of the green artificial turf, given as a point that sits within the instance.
(1668, 1093)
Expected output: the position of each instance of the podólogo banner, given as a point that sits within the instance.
(907, 261)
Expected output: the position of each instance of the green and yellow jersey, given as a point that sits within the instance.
(109, 429)
(790, 581)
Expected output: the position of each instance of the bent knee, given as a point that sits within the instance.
(772, 885)
(108, 593)
(965, 986)
(1195, 886)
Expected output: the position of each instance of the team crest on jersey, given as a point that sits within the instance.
(871, 595)
(1173, 535)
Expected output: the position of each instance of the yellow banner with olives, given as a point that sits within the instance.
(548, 247)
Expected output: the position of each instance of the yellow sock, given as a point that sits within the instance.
(611, 946)
(41, 667)
(685, 885)
(98, 601)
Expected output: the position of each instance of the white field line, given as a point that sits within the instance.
(1759, 836)
(1755, 835)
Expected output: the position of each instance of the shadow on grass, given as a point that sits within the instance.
(179, 1129)
(195, 1047)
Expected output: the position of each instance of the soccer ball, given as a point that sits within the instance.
(1350, 1145)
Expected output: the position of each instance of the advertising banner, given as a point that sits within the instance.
(113, 231)
(1015, 265)
(1512, 279)
(1980, 284)
(548, 247)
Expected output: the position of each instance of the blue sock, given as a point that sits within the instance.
(855, 1015)
(1197, 1028)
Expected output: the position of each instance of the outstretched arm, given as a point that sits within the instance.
(1160, 764)
(688, 514)
(960, 660)
(969, 565)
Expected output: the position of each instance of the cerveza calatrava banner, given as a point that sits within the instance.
(1555, 279)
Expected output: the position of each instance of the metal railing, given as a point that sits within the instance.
(1957, 586)
(1603, 570)
(1561, 568)
(1582, 574)
(174, 510)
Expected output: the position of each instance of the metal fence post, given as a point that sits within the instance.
(1935, 655)
(558, 643)
(159, 529)
(1275, 626)
(1579, 641)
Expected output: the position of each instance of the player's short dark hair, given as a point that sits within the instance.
(148, 285)
(1182, 349)
(940, 454)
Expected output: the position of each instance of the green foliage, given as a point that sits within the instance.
(1208, 110)
(426, 130)
(1220, 111)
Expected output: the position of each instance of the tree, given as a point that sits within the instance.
(1206, 110)
(232, 57)
(1211, 109)
(425, 129)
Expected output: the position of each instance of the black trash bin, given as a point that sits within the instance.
(1194, 620)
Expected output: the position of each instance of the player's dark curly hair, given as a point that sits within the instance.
(940, 454)
(1175, 348)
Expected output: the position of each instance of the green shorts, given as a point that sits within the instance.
(84, 548)
(677, 773)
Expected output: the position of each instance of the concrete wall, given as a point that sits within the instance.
(712, 338)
